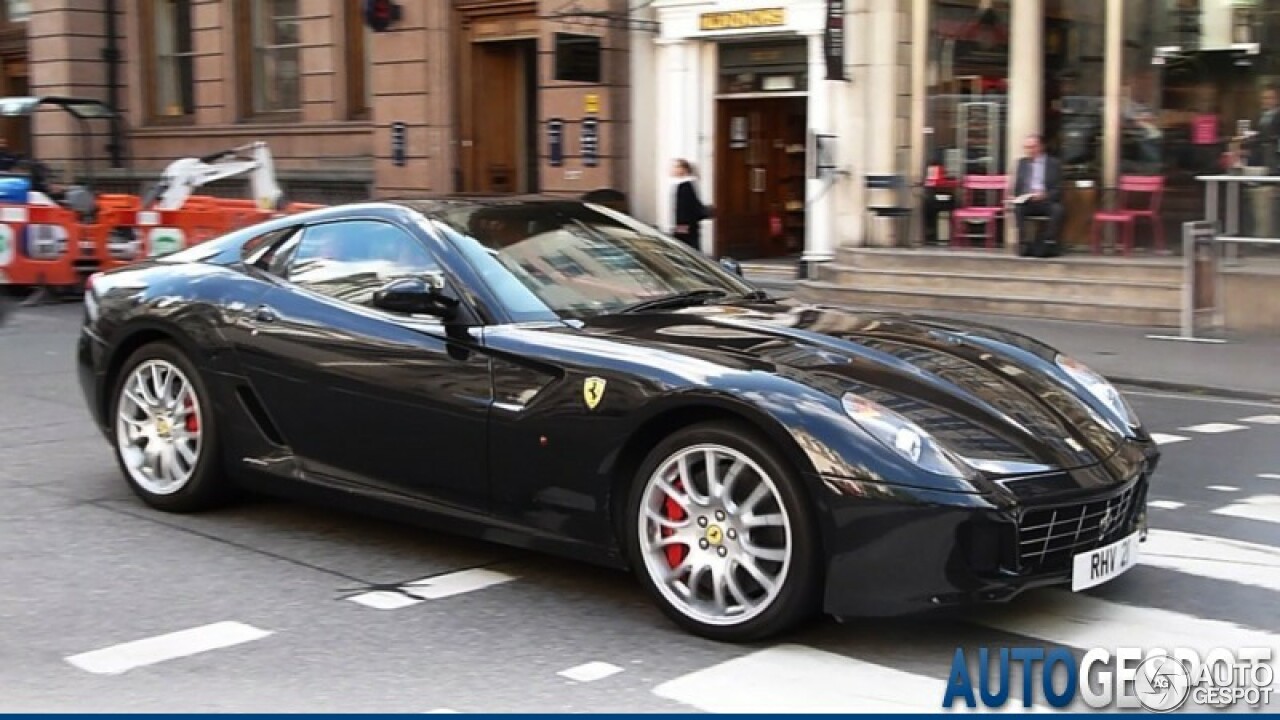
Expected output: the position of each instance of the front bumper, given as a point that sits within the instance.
(900, 552)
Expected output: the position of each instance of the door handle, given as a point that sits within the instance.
(265, 314)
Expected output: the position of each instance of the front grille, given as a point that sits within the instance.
(1049, 537)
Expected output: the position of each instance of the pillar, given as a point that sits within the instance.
(1112, 90)
(672, 120)
(920, 18)
(1026, 86)
(819, 240)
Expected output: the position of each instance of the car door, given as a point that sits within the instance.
(361, 394)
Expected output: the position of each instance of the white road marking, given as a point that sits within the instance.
(384, 600)
(1166, 504)
(1215, 428)
(590, 672)
(432, 588)
(149, 651)
(457, 583)
(1213, 557)
(1165, 439)
(1262, 419)
(442, 711)
(1085, 622)
(1265, 508)
(1223, 488)
(1203, 399)
(1269, 476)
(797, 679)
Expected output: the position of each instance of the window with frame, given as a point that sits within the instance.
(359, 63)
(270, 42)
(170, 66)
(350, 260)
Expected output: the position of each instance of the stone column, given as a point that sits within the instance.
(884, 131)
(671, 118)
(1026, 87)
(920, 19)
(819, 240)
(1112, 86)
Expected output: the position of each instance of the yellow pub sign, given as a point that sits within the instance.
(743, 19)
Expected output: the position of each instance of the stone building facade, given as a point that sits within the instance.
(455, 95)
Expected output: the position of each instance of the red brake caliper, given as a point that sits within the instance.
(193, 422)
(675, 553)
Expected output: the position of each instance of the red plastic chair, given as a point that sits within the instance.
(1152, 185)
(986, 214)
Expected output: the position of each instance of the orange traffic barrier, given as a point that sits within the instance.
(39, 245)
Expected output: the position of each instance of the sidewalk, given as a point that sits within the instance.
(1244, 366)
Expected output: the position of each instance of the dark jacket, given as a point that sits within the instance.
(689, 209)
(1052, 178)
(1263, 146)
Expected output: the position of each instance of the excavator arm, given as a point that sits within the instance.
(182, 177)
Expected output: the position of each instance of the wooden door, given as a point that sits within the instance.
(495, 130)
(759, 196)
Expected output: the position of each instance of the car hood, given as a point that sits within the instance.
(993, 397)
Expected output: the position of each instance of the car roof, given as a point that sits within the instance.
(437, 204)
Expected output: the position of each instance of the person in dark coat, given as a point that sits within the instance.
(1038, 190)
(689, 210)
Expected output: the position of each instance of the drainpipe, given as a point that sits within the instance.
(111, 54)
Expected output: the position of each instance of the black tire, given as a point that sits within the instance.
(207, 487)
(798, 599)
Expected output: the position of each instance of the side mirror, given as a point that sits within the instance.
(416, 296)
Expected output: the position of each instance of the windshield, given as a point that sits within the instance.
(574, 260)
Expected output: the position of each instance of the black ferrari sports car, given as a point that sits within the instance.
(558, 376)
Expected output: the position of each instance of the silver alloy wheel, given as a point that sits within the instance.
(158, 427)
(715, 534)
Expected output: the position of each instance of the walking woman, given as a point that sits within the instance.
(689, 210)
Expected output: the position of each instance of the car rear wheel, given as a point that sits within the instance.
(721, 535)
(164, 432)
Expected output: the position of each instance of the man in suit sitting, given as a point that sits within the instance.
(1038, 184)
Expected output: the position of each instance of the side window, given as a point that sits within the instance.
(350, 260)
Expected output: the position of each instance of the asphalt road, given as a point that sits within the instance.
(278, 607)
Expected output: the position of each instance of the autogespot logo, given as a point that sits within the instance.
(1163, 683)
(1158, 680)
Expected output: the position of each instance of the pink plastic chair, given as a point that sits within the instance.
(986, 214)
(1152, 185)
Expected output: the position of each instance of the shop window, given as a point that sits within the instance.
(169, 66)
(359, 64)
(967, 106)
(268, 32)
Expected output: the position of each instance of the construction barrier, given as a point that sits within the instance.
(52, 247)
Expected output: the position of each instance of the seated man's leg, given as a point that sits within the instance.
(1022, 212)
(1053, 234)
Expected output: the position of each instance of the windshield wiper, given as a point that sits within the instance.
(688, 297)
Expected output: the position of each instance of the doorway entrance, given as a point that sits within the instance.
(760, 177)
(499, 123)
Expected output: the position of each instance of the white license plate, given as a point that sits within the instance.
(1106, 563)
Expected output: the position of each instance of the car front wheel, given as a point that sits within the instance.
(721, 535)
(164, 432)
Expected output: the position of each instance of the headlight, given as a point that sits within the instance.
(899, 434)
(1104, 391)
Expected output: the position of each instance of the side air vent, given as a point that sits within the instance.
(253, 406)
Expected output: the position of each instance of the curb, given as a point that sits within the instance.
(1190, 389)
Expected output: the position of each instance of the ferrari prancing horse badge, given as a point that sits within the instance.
(593, 391)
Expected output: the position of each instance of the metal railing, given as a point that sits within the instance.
(1209, 244)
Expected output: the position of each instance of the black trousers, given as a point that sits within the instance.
(1046, 242)
(693, 238)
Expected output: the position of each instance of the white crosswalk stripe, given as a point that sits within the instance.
(1213, 557)
(1265, 508)
(1262, 419)
(1215, 428)
(1166, 439)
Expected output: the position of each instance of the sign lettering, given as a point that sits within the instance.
(742, 19)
